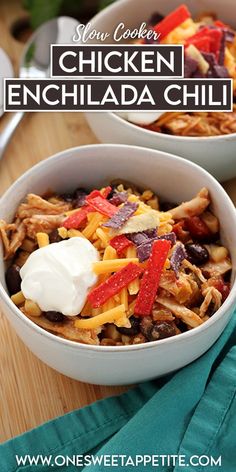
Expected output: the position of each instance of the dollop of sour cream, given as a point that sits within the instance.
(140, 118)
(58, 276)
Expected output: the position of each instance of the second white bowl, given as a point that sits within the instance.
(215, 154)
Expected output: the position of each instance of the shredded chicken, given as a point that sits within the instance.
(12, 237)
(31, 217)
(67, 330)
(45, 223)
(213, 269)
(181, 289)
(37, 205)
(180, 311)
(196, 292)
(161, 314)
(196, 124)
(212, 295)
(194, 207)
(196, 270)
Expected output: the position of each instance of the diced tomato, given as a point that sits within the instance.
(181, 231)
(221, 285)
(197, 227)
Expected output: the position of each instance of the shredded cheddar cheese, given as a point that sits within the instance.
(102, 267)
(106, 317)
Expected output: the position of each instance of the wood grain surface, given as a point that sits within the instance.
(31, 392)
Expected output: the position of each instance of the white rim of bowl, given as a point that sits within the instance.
(148, 132)
(105, 12)
(226, 306)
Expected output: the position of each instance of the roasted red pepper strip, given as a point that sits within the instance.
(202, 44)
(76, 219)
(101, 205)
(98, 193)
(93, 194)
(171, 21)
(120, 243)
(220, 24)
(215, 41)
(200, 34)
(100, 294)
(106, 191)
(207, 40)
(151, 278)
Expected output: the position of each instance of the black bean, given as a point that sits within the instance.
(196, 253)
(79, 197)
(54, 316)
(80, 191)
(135, 327)
(146, 326)
(67, 197)
(156, 330)
(54, 236)
(113, 191)
(163, 330)
(181, 325)
(211, 309)
(167, 206)
(155, 18)
(13, 279)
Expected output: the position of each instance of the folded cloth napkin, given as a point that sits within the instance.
(190, 413)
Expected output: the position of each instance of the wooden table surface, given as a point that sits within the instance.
(31, 392)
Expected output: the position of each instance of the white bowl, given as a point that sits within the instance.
(174, 179)
(215, 154)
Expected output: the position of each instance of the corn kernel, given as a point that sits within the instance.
(18, 298)
(42, 239)
(120, 188)
(147, 195)
(153, 203)
(62, 232)
(32, 309)
(217, 253)
(71, 212)
(112, 333)
(103, 236)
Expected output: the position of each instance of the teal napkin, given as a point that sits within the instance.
(190, 413)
